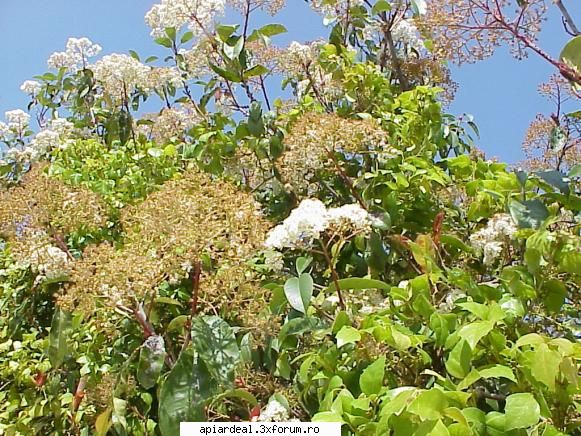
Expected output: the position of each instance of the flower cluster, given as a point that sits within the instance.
(188, 220)
(300, 65)
(198, 14)
(274, 412)
(41, 203)
(311, 218)
(170, 123)
(31, 87)
(314, 137)
(406, 33)
(76, 56)
(120, 75)
(335, 9)
(18, 120)
(492, 239)
(57, 134)
(270, 6)
(49, 262)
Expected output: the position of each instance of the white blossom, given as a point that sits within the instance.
(18, 120)
(273, 412)
(120, 75)
(306, 223)
(492, 239)
(407, 33)
(31, 87)
(77, 54)
(50, 262)
(199, 15)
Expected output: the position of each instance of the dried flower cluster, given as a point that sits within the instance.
(470, 30)
(169, 124)
(311, 218)
(37, 214)
(314, 138)
(188, 220)
(553, 142)
(43, 203)
(492, 239)
(270, 6)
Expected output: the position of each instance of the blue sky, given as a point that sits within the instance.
(500, 92)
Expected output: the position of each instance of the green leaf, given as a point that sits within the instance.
(576, 170)
(151, 360)
(358, 284)
(230, 75)
(555, 178)
(555, 294)
(429, 404)
(459, 361)
(528, 214)
(188, 36)
(544, 365)
(475, 331)
(380, 6)
(257, 70)
(299, 291)
(177, 323)
(215, 342)
(272, 29)
(570, 262)
(134, 55)
(571, 54)
(233, 51)
(327, 417)
(168, 300)
(165, 42)
(419, 7)
(57, 339)
(522, 411)
(371, 380)
(225, 31)
(302, 263)
(183, 395)
(497, 371)
(171, 33)
(103, 422)
(348, 335)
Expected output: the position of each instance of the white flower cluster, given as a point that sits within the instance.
(299, 62)
(306, 223)
(273, 412)
(14, 130)
(333, 10)
(31, 87)
(56, 135)
(120, 75)
(76, 55)
(198, 14)
(18, 120)
(406, 33)
(491, 239)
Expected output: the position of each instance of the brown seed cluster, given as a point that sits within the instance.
(188, 220)
(38, 213)
(470, 30)
(314, 138)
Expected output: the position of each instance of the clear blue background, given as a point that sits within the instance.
(500, 92)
